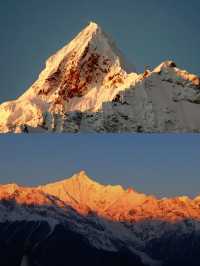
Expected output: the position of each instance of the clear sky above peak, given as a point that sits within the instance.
(164, 165)
(148, 32)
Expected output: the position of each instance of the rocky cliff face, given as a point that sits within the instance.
(88, 86)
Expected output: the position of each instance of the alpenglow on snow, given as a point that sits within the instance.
(81, 221)
(88, 86)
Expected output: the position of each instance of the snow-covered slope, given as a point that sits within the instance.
(89, 86)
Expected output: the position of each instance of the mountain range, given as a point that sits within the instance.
(79, 221)
(88, 86)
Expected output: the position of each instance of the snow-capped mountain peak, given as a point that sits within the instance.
(107, 218)
(85, 63)
(81, 76)
(110, 201)
(82, 176)
(88, 86)
(170, 67)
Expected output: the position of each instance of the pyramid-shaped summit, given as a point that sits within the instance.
(85, 65)
(81, 76)
(81, 191)
(81, 177)
(87, 87)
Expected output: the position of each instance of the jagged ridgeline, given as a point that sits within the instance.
(116, 203)
(79, 221)
(88, 86)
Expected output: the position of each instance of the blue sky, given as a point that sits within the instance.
(147, 31)
(165, 165)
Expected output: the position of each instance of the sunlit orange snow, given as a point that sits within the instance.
(111, 202)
